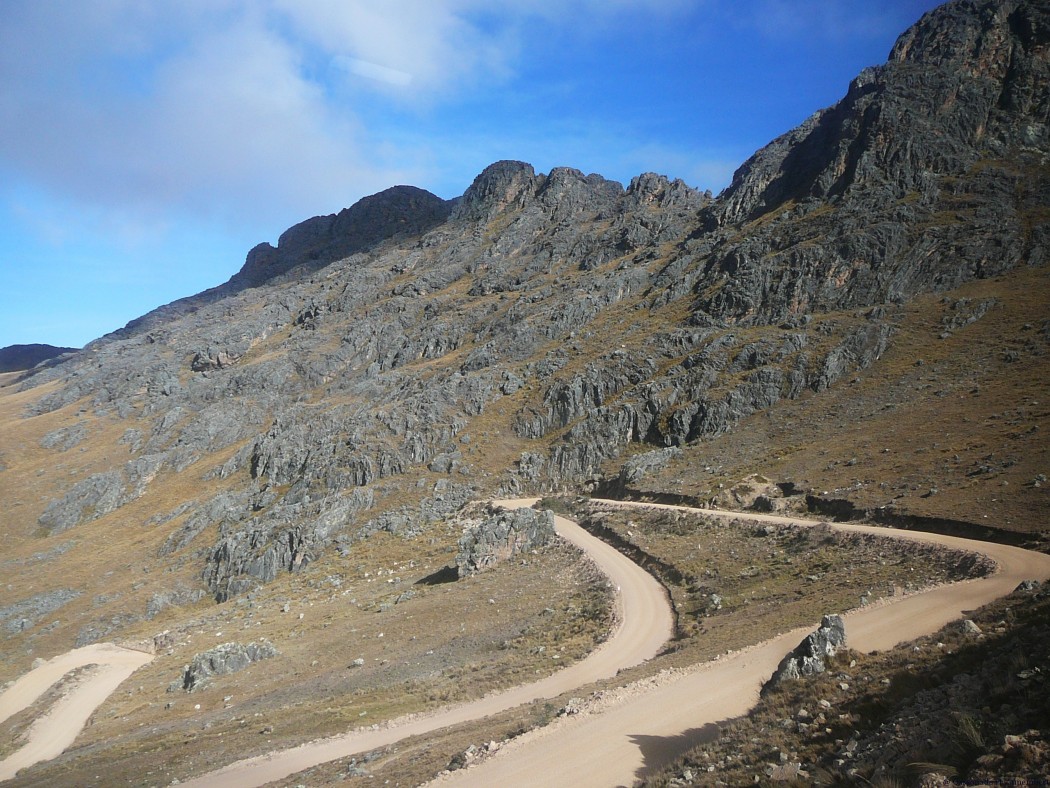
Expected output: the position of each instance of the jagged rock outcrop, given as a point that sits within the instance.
(502, 535)
(641, 465)
(970, 78)
(922, 177)
(225, 659)
(809, 657)
(286, 535)
(397, 212)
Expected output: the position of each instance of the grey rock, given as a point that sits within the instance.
(808, 658)
(967, 626)
(502, 535)
(753, 492)
(97, 630)
(962, 312)
(446, 499)
(21, 616)
(99, 494)
(285, 536)
(636, 468)
(64, 438)
(177, 597)
(356, 353)
(585, 393)
(224, 659)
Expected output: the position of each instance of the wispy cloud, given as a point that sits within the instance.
(365, 68)
(225, 108)
(226, 123)
(236, 110)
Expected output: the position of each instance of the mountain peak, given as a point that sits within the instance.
(395, 212)
(496, 188)
(17, 358)
(971, 76)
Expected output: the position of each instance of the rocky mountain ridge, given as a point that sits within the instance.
(382, 366)
(17, 358)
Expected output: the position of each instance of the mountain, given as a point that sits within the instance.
(860, 318)
(17, 358)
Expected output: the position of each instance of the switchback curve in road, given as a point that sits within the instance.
(644, 624)
(50, 735)
(647, 731)
(650, 728)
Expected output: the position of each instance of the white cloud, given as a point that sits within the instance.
(223, 109)
(199, 108)
(438, 45)
(365, 68)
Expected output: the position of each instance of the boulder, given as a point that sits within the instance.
(809, 657)
(224, 659)
(502, 535)
(641, 465)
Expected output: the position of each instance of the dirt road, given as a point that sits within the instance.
(630, 739)
(644, 625)
(50, 735)
(646, 732)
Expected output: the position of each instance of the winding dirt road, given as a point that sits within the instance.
(614, 747)
(644, 623)
(645, 733)
(50, 735)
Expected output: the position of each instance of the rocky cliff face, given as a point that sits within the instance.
(929, 172)
(381, 366)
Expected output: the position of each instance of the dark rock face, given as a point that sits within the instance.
(970, 78)
(521, 338)
(502, 535)
(808, 658)
(15, 358)
(400, 211)
(903, 186)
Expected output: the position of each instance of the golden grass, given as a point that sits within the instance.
(910, 427)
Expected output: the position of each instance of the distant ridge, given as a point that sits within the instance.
(395, 213)
(15, 358)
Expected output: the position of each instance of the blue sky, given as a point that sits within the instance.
(146, 146)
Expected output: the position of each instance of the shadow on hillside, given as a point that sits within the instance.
(446, 574)
(659, 751)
